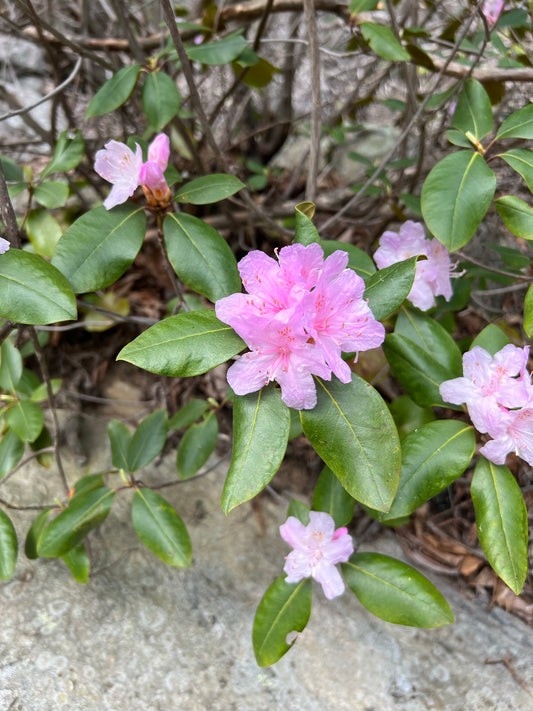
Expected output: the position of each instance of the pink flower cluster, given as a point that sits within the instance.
(4, 245)
(119, 165)
(299, 314)
(318, 547)
(432, 276)
(499, 396)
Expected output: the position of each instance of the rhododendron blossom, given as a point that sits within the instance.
(498, 393)
(119, 165)
(432, 275)
(299, 314)
(4, 245)
(318, 547)
(492, 9)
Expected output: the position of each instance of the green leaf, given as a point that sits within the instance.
(68, 153)
(32, 291)
(12, 171)
(218, 52)
(200, 256)
(209, 189)
(387, 289)
(188, 414)
(261, 423)
(518, 125)
(517, 215)
(26, 419)
(433, 456)
(455, 197)
(44, 231)
(330, 496)
(491, 338)
(69, 528)
(457, 138)
(51, 194)
(11, 451)
(120, 438)
(305, 232)
(356, 6)
(87, 483)
(160, 99)
(473, 112)
(114, 92)
(383, 42)
(431, 337)
(395, 592)
(196, 446)
(501, 519)
(408, 415)
(41, 393)
(148, 440)
(358, 260)
(98, 248)
(160, 528)
(299, 510)
(285, 608)
(8, 547)
(183, 345)
(521, 160)
(259, 74)
(77, 561)
(37, 527)
(10, 366)
(528, 312)
(352, 430)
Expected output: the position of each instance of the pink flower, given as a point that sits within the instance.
(492, 9)
(299, 314)
(119, 165)
(318, 547)
(432, 275)
(513, 433)
(4, 245)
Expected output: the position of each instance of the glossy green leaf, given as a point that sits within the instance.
(501, 519)
(12, 171)
(517, 215)
(10, 366)
(305, 232)
(120, 438)
(456, 196)
(188, 414)
(114, 92)
(160, 99)
(37, 527)
(395, 592)
(68, 153)
(352, 430)
(209, 189)
(98, 248)
(285, 608)
(196, 446)
(41, 392)
(200, 256)
(218, 52)
(518, 125)
(387, 289)
(77, 561)
(408, 415)
(51, 194)
(26, 419)
(299, 510)
(521, 160)
(261, 423)
(431, 337)
(11, 451)
(330, 496)
(69, 528)
(473, 112)
(457, 138)
(383, 42)
(183, 345)
(32, 291)
(8, 547)
(491, 338)
(433, 456)
(148, 440)
(160, 528)
(528, 312)
(87, 483)
(43, 231)
(358, 260)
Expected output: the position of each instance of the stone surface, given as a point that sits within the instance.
(143, 636)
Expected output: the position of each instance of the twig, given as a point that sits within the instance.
(23, 463)
(502, 272)
(8, 214)
(314, 58)
(15, 507)
(507, 664)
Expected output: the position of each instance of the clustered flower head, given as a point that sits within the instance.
(4, 245)
(499, 396)
(318, 547)
(432, 275)
(119, 165)
(299, 314)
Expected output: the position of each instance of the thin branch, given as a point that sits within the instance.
(314, 58)
(8, 214)
(23, 463)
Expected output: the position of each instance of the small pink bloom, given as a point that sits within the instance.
(119, 165)
(4, 245)
(513, 433)
(432, 275)
(492, 9)
(318, 547)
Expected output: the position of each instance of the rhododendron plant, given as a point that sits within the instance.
(432, 277)
(299, 314)
(318, 547)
